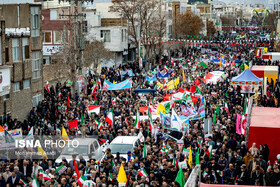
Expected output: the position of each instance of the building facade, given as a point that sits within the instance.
(21, 44)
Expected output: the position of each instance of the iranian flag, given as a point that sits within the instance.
(110, 177)
(166, 68)
(100, 126)
(74, 175)
(257, 52)
(94, 109)
(35, 183)
(59, 94)
(99, 83)
(47, 87)
(226, 108)
(94, 88)
(137, 120)
(200, 143)
(209, 151)
(110, 119)
(81, 180)
(44, 175)
(60, 169)
(243, 124)
(126, 121)
(143, 173)
(172, 103)
(141, 137)
(21, 181)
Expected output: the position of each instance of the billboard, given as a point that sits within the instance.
(5, 81)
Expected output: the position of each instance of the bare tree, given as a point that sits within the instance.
(211, 30)
(149, 16)
(94, 52)
(189, 24)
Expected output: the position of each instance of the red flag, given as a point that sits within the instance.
(181, 90)
(73, 124)
(76, 169)
(94, 95)
(197, 82)
(193, 89)
(195, 99)
(68, 102)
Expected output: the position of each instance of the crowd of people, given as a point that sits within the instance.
(231, 160)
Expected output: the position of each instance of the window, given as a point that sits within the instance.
(85, 26)
(48, 37)
(105, 34)
(58, 37)
(26, 84)
(36, 65)
(15, 50)
(35, 21)
(36, 99)
(95, 145)
(122, 35)
(16, 86)
(7, 50)
(25, 48)
(46, 60)
(53, 14)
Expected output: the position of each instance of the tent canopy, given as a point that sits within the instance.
(246, 76)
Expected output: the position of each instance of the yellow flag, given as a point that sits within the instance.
(246, 66)
(176, 82)
(160, 85)
(64, 134)
(114, 82)
(190, 157)
(183, 74)
(170, 85)
(121, 175)
(41, 152)
(161, 109)
(265, 49)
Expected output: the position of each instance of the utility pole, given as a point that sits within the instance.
(139, 37)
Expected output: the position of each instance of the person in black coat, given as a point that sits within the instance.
(13, 180)
(244, 177)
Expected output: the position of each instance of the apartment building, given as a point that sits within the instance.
(20, 60)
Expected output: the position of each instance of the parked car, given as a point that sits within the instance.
(87, 146)
(123, 144)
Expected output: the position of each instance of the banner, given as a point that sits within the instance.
(120, 86)
(187, 110)
(163, 75)
(16, 134)
(238, 124)
(82, 84)
(128, 72)
(151, 79)
(165, 121)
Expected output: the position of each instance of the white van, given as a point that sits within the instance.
(123, 144)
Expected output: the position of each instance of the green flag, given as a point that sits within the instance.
(198, 90)
(226, 93)
(145, 151)
(218, 109)
(180, 177)
(82, 119)
(197, 157)
(245, 105)
(203, 64)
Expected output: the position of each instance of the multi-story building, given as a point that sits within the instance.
(110, 28)
(21, 59)
(56, 26)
